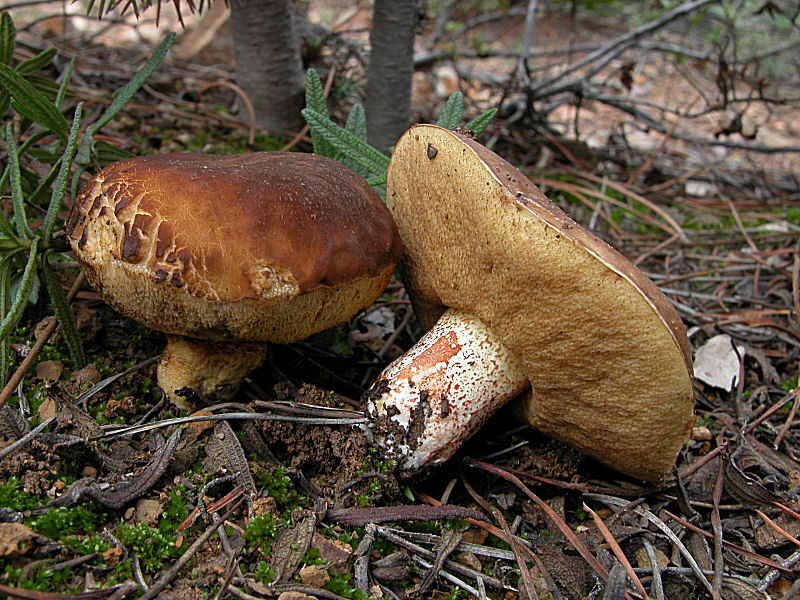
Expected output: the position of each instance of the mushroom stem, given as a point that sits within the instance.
(213, 370)
(426, 403)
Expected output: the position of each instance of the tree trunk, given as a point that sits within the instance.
(269, 67)
(391, 66)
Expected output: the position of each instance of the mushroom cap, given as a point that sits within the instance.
(268, 246)
(605, 352)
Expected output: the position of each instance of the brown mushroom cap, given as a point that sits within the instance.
(605, 352)
(269, 246)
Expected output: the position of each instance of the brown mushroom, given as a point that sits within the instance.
(227, 253)
(520, 297)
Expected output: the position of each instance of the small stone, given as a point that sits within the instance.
(41, 326)
(295, 596)
(475, 535)
(112, 556)
(84, 378)
(129, 513)
(46, 409)
(468, 559)
(315, 575)
(198, 427)
(701, 434)
(643, 561)
(147, 511)
(265, 506)
(50, 370)
(333, 552)
(794, 478)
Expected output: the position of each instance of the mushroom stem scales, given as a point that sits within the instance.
(425, 404)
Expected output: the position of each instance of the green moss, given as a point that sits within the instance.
(312, 557)
(88, 545)
(14, 497)
(793, 215)
(263, 573)
(177, 510)
(153, 547)
(280, 488)
(60, 522)
(787, 385)
(45, 580)
(260, 531)
(342, 584)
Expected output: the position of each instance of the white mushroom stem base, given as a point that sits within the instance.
(426, 403)
(211, 370)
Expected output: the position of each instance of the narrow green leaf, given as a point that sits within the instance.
(5, 302)
(14, 314)
(357, 125)
(86, 149)
(26, 147)
(69, 327)
(62, 90)
(76, 179)
(315, 100)
(106, 153)
(32, 104)
(5, 359)
(453, 111)
(44, 184)
(479, 123)
(5, 225)
(127, 92)
(32, 139)
(346, 143)
(5, 103)
(44, 85)
(315, 94)
(38, 62)
(20, 219)
(60, 186)
(377, 180)
(8, 38)
(357, 122)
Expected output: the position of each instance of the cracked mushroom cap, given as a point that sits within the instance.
(268, 246)
(606, 354)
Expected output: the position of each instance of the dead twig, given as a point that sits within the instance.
(173, 571)
(524, 574)
(359, 517)
(544, 507)
(612, 543)
(777, 528)
(251, 113)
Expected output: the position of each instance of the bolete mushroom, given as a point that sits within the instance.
(518, 296)
(227, 253)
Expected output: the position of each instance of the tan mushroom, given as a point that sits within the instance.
(520, 297)
(227, 253)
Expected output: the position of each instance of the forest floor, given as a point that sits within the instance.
(314, 511)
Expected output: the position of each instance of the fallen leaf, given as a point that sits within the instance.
(50, 370)
(12, 536)
(315, 575)
(716, 363)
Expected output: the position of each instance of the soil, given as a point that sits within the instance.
(333, 456)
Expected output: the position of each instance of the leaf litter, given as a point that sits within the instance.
(529, 515)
